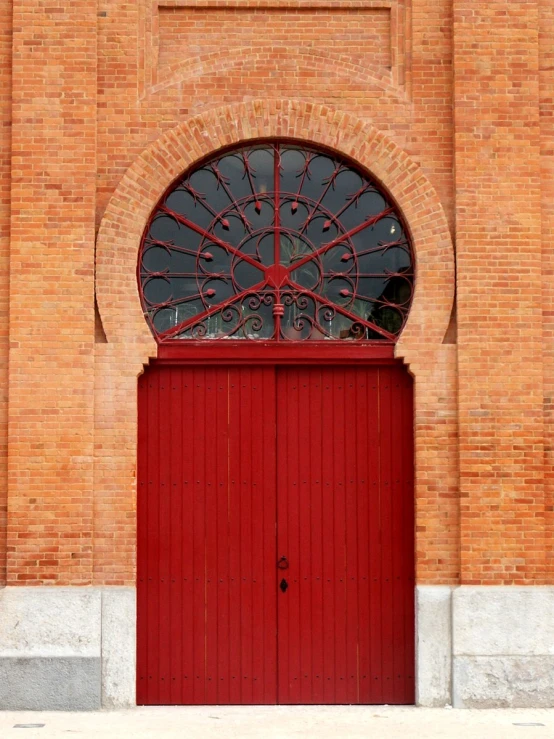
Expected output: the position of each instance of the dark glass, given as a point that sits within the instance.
(320, 170)
(361, 209)
(292, 167)
(345, 186)
(233, 230)
(246, 275)
(156, 259)
(186, 204)
(262, 170)
(165, 228)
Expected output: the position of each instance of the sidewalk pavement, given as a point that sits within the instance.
(282, 722)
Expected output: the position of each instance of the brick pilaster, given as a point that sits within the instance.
(52, 298)
(498, 237)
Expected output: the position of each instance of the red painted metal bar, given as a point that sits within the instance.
(278, 309)
(339, 309)
(211, 237)
(344, 237)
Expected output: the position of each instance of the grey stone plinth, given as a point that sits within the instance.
(50, 683)
(118, 647)
(502, 620)
(67, 648)
(503, 646)
(433, 645)
(49, 622)
(503, 682)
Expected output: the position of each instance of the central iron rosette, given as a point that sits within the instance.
(276, 241)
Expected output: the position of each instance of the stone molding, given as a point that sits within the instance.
(503, 646)
(67, 648)
(433, 645)
(487, 646)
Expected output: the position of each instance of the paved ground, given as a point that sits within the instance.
(282, 722)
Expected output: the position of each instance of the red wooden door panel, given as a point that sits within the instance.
(345, 524)
(206, 575)
(241, 466)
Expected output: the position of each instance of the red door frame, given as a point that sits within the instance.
(217, 351)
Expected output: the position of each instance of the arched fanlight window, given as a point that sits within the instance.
(276, 241)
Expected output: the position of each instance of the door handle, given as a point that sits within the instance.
(283, 563)
(283, 585)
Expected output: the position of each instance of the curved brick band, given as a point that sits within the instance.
(157, 167)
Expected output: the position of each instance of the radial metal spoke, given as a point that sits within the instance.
(210, 237)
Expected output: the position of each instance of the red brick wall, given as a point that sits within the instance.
(95, 86)
(361, 34)
(51, 372)
(498, 236)
(546, 109)
(5, 186)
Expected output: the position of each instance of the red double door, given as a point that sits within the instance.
(275, 535)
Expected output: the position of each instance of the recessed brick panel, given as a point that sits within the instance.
(360, 33)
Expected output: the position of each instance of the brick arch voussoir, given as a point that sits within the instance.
(164, 160)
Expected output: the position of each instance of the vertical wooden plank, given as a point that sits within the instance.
(339, 507)
(397, 544)
(164, 605)
(267, 491)
(375, 548)
(328, 496)
(283, 486)
(386, 527)
(363, 452)
(211, 540)
(143, 457)
(223, 535)
(246, 553)
(264, 632)
(153, 539)
(289, 534)
(257, 536)
(235, 512)
(294, 553)
(408, 537)
(349, 397)
(191, 447)
(176, 532)
(306, 575)
(199, 533)
(314, 455)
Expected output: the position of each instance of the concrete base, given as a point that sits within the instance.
(74, 648)
(503, 647)
(50, 683)
(118, 647)
(504, 682)
(67, 648)
(433, 645)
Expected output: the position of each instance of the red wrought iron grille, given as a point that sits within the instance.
(276, 241)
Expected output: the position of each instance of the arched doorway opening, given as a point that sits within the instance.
(275, 454)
